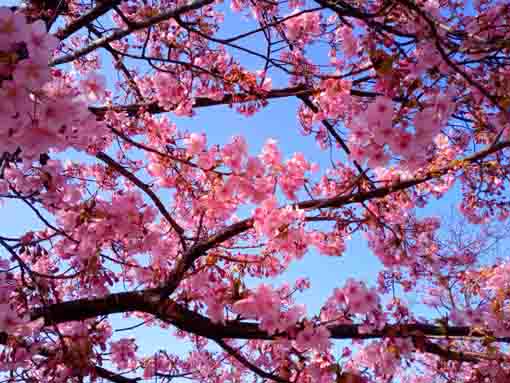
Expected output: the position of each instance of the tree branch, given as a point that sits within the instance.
(148, 301)
(113, 377)
(227, 99)
(201, 102)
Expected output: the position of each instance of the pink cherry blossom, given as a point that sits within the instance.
(39, 42)
(123, 353)
(349, 42)
(195, 143)
(31, 74)
(93, 87)
(313, 337)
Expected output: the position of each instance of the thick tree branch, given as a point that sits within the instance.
(149, 301)
(200, 248)
(201, 102)
(342, 200)
(342, 8)
(227, 99)
(445, 353)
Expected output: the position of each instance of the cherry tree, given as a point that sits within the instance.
(141, 217)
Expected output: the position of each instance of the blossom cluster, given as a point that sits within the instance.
(376, 135)
(265, 304)
(354, 298)
(41, 110)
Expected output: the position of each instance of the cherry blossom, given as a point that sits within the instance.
(93, 87)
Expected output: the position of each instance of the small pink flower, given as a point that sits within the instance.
(270, 154)
(39, 42)
(124, 353)
(195, 143)
(349, 42)
(31, 73)
(94, 87)
(313, 337)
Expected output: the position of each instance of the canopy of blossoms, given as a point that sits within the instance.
(141, 217)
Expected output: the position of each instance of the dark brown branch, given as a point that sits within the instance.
(113, 377)
(201, 102)
(342, 8)
(189, 257)
(461, 356)
(200, 248)
(402, 185)
(434, 348)
(228, 99)
(149, 301)
(150, 149)
(342, 200)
